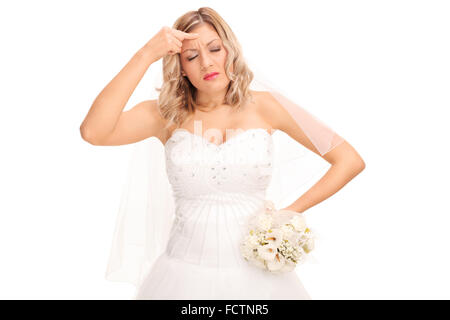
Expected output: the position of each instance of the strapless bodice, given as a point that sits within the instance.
(215, 188)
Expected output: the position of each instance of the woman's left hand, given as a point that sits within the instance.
(289, 209)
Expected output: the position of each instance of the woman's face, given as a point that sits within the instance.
(204, 55)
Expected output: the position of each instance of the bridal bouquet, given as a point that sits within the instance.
(277, 240)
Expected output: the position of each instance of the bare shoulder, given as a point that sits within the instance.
(149, 109)
(269, 108)
(149, 106)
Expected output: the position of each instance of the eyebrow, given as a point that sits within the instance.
(196, 49)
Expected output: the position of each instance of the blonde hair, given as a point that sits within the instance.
(177, 94)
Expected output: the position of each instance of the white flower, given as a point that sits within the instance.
(267, 252)
(276, 241)
(253, 240)
(275, 237)
(277, 263)
(288, 266)
(287, 230)
(299, 223)
(309, 246)
(247, 251)
(258, 262)
(264, 222)
(293, 237)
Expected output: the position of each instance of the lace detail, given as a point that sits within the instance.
(197, 166)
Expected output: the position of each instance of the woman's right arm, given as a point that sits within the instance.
(106, 123)
(106, 113)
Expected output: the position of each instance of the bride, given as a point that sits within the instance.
(217, 138)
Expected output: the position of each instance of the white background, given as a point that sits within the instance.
(378, 72)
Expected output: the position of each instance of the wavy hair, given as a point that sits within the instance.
(177, 94)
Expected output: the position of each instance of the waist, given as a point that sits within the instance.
(208, 230)
(220, 198)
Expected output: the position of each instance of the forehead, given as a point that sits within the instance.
(206, 34)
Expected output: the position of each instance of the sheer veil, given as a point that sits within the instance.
(147, 207)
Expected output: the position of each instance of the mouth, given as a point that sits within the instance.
(211, 76)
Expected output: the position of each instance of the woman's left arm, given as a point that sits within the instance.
(345, 161)
(345, 165)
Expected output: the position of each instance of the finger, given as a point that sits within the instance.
(191, 35)
(176, 41)
(175, 49)
(184, 35)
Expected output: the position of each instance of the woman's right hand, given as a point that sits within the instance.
(167, 41)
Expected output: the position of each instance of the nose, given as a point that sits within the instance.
(205, 61)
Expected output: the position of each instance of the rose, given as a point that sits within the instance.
(299, 223)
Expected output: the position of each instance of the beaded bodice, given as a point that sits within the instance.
(196, 166)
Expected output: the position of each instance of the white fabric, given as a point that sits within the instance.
(216, 187)
(141, 232)
(177, 235)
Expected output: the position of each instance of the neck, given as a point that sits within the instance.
(208, 101)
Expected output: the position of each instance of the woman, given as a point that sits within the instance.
(217, 136)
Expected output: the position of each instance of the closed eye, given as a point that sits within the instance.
(212, 50)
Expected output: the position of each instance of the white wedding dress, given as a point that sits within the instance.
(216, 187)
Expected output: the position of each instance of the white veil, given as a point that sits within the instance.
(147, 207)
